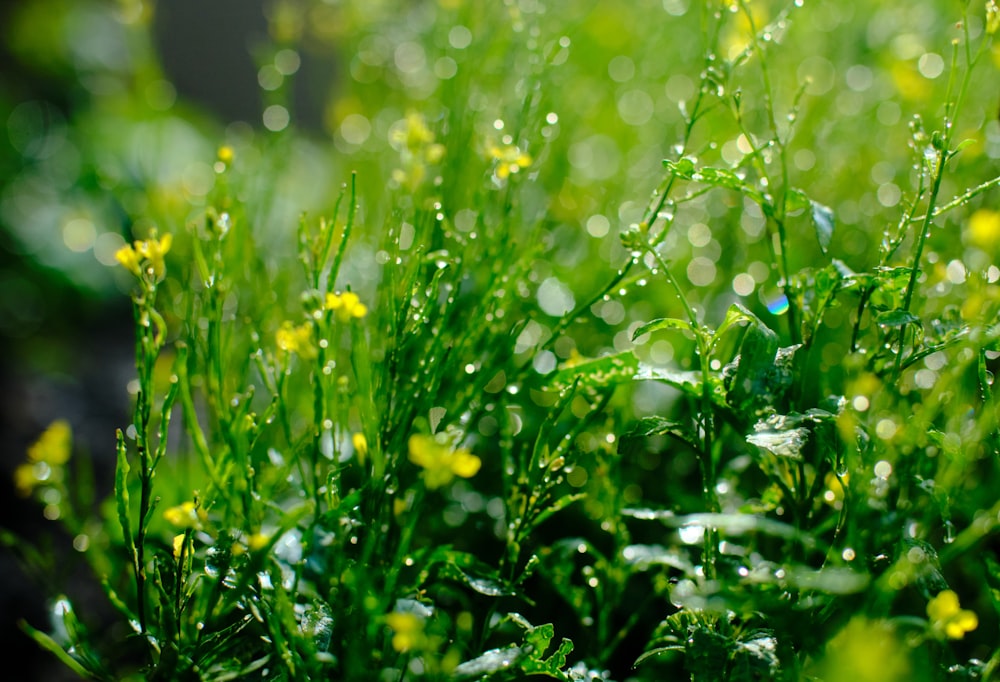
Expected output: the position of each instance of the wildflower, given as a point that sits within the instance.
(145, 256)
(185, 515)
(440, 462)
(360, 446)
(346, 306)
(54, 445)
(297, 340)
(258, 541)
(984, 228)
(417, 149)
(226, 154)
(948, 617)
(46, 457)
(510, 159)
(865, 651)
(408, 631)
(178, 545)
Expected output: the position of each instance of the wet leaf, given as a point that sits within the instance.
(655, 426)
(603, 371)
(896, 318)
(822, 218)
(662, 323)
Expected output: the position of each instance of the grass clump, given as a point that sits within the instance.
(489, 413)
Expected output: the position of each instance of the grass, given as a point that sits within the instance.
(631, 342)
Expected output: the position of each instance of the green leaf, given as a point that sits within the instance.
(602, 371)
(655, 426)
(682, 168)
(468, 570)
(897, 318)
(492, 662)
(686, 380)
(642, 557)
(737, 314)
(662, 323)
(121, 495)
(53, 647)
(822, 218)
(796, 200)
(715, 177)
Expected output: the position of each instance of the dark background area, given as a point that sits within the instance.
(66, 352)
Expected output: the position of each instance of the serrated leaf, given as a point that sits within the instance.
(822, 218)
(538, 638)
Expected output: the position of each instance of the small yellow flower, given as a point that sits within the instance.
(347, 306)
(510, 159)
(984, 229)
(25, 479)
(408, 631)
(54, 445)
(258, 541)
(297, 340)
(185, 515)
(178, 545)
(360, 446)
(947, 616)
(417, 149)
(145, 255)
(226, 154)
(413, 134)
(440, 462)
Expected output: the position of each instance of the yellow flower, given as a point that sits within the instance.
(864, 651)
(258, 541)
(346, 306)
(510, 159)
(145, 255)
(947, 616)
(984, 229)
(185, 515)
(440, 462)
(360, 446)
(298, 340)
(408, 631)
(25, 479)
(416, 146)
(226, 154)
(178, 545)
(54, 445)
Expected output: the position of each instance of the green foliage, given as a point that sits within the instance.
(402, 392)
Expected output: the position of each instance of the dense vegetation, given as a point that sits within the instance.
(633, 340)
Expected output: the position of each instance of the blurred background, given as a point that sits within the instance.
(113, 112)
